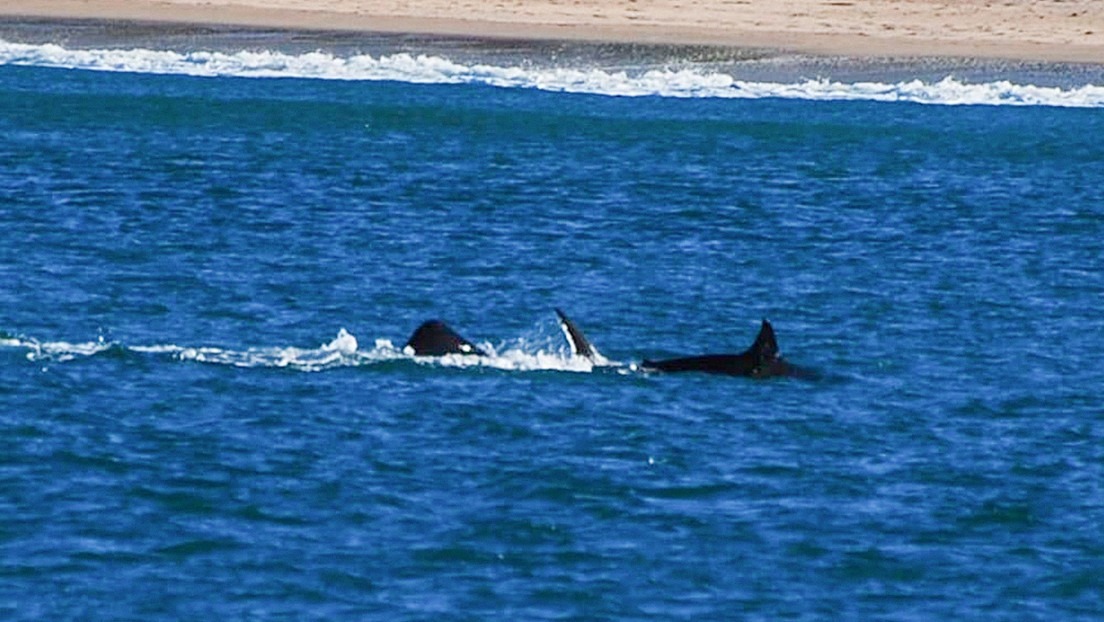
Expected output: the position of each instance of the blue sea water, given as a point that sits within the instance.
(206, 413)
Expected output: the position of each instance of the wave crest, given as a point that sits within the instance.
(427, 69)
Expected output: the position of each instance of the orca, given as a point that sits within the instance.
(761, 360)
(435, 338)
(575, 337)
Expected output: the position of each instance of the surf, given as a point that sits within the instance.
(685, 82)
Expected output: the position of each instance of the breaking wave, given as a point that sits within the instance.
(427, 69)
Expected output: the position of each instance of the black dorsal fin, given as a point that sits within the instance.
(579, 344)
(765, 347)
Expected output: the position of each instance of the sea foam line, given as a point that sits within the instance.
(426, 69)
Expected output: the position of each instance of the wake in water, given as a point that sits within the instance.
(427, 69)
(342, 351)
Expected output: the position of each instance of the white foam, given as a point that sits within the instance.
(425, 69)
(157, 349)
(344, 343)
(56, 350)
(341, 351)
(512, 360)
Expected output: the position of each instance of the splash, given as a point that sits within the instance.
(427, 69)
(340, 352)
(60, 351)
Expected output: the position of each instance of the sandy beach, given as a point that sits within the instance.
(1038, 30)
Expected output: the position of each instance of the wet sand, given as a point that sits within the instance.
(1024, 30)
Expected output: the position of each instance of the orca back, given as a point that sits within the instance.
(727, 364)
(435, 338)
(761, 360)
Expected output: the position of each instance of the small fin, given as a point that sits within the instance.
(765, 347)
(579, 344)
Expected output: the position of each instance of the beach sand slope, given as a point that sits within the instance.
(1045, 30)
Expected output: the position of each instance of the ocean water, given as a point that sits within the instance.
(211, 259)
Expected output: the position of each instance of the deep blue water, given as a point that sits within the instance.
(940, 266)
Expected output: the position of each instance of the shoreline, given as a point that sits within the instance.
(845, 37)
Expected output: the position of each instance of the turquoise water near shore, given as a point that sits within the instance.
(205, 411)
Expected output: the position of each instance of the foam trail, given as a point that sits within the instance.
(513, 360)
(56, 350)
(425, 69)
(342, 351)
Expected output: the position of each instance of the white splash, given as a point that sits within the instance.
(425, 69)
(512, 360)
(341, 351)
(343, 343)
(56, 350)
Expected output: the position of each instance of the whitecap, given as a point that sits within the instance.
(429, 69)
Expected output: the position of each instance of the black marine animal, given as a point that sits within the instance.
(435, 338)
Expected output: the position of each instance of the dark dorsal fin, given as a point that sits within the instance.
(579, 344)
(435, 338)
(765, 347)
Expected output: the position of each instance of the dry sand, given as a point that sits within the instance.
(1045, 30)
